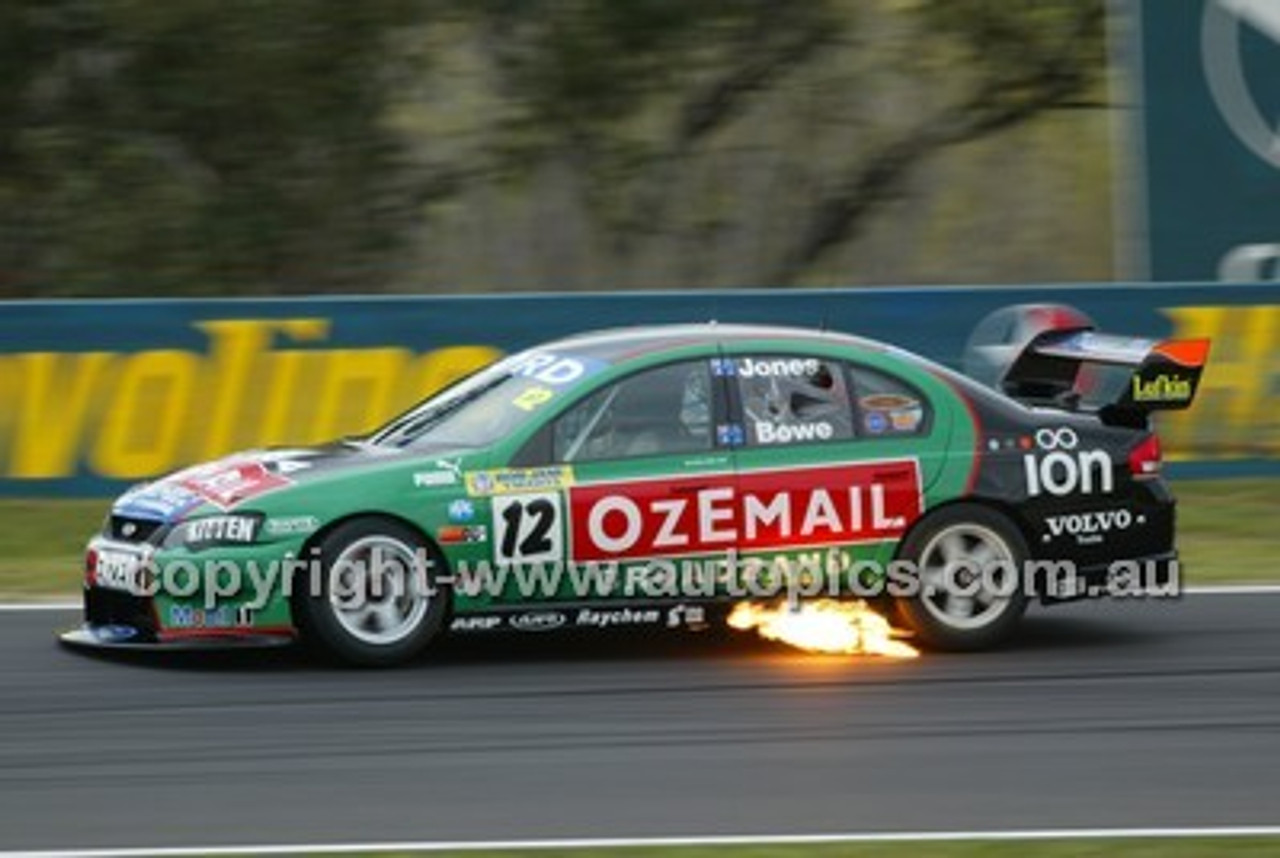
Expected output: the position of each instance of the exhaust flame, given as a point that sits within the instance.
(825, 625)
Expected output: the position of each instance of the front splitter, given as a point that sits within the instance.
(119, 637)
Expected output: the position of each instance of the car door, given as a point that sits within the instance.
(829, 472)
(648, 477)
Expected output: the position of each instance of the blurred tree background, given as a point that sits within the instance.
(289, 146)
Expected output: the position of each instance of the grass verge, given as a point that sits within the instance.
(1227, 534)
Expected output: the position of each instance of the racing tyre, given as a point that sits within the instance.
(969, 559)
(377, 602)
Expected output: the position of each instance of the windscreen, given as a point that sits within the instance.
(490, 404)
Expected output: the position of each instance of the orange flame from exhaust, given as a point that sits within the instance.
(825, 625)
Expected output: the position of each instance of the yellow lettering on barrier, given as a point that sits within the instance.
(237, 345)
(141, 432)
(287, 396)
(438, 369)
(1237, 409)
(138, 415)
(358, 391)
(55, 393)
(8, 405)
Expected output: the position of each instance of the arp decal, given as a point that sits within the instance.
(759, 510)
(476, 623)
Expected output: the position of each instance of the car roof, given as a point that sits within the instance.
(620, 344)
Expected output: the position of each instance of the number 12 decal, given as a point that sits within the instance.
(526, 528)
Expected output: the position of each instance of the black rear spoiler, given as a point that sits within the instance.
(1164, 374)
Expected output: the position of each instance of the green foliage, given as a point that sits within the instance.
(216, 146)
(200, 144)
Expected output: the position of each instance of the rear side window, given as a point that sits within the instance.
(789, 399)
(887, 406)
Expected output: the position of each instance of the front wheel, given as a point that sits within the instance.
(969, 561)
(377, 601)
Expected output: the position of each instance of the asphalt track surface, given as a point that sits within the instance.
(1163, 713)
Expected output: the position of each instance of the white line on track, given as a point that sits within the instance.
(650, 842)
(1214, 590)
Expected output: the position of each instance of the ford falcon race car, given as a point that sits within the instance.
(648, 476)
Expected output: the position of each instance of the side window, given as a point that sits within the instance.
(790, 399)
(661, 411)
(887, 406)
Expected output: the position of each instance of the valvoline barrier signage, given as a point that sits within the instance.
(95, 396)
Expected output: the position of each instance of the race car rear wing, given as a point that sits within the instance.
(1154, 375)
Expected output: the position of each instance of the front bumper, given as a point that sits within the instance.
(122, 621)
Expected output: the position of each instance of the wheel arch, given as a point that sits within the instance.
(998, 505)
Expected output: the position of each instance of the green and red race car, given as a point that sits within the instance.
(650, 476)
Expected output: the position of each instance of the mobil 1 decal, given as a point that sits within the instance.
(756, 510)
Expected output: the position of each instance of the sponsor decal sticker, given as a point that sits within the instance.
(690, 616)
(723, 367)
(227, 483)
(1090, 528)
(866, 502)
(222, 617)
(455, 534)
(461, 510)
(730, 435)
(891, 411)
(1165, 387)
(537, 621)
(292, 525)
(428, 479)
(551, 369)
(596, 619)
(1063, 469)
(221, 528)
(778, 367)
(792, 433)
(116, 570)
(164, 501)
(517, 480)
(533, 397)
(526, 528)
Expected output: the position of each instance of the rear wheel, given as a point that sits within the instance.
(377, 602)
(969, 560)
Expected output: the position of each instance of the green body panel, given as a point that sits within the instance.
(433, 492)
